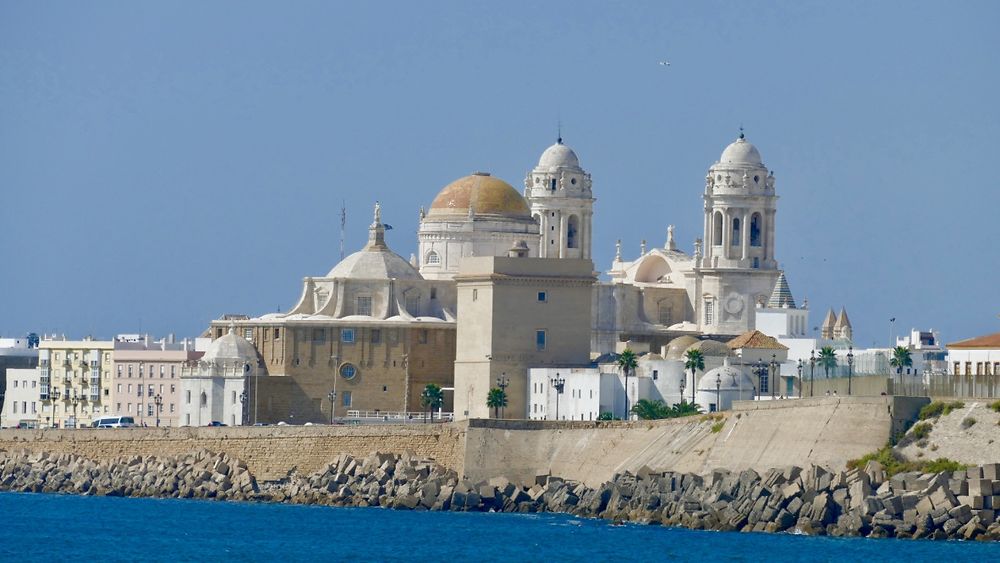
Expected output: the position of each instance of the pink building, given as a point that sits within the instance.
(146, 378)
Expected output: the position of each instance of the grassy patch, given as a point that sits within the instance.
(995, 405)
(967, 422)
(919, 434)
(717, 427)
(939, 408)
(894, 463)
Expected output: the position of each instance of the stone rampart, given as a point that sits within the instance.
(269, 452)
(755, 435)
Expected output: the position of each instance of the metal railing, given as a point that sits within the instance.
(398, 417)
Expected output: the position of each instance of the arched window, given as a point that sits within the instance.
(204, 399)
(571, 232)
(736, 232)
(755, 230)
(432, 258)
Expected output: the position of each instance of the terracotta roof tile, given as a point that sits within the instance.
(988, 341)
(756, 339)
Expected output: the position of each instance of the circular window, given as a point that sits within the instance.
(573, 181)
(348, 371)
(538, 180)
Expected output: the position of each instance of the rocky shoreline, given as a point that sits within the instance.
(960, 505)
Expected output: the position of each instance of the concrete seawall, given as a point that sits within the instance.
(270, 452)
(757, 435)
(761, 435)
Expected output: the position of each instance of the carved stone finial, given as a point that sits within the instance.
(642, 247)
(618, 251)
(697, 249)
(671, 245)
(378, 213)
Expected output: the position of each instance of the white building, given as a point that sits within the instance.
(975, 356)
(212, 388)
(22, 401)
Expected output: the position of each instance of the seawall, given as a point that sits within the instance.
(759, 435)
(269, 452)
(824, 431)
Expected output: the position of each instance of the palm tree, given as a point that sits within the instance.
(432, 398)
(694, 361)
(651, 410)
(900, 359)
(496, 400)
(684, 409)
(827, 359)
(627, 363)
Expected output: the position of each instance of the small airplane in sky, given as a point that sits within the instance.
(664, 63)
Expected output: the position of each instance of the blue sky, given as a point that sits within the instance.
(164, 163)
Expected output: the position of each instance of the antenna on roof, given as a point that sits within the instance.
(559, 130)
(343, 226)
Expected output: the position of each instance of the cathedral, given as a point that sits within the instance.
(368, 336)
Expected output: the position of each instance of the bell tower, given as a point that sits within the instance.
(740, 205)
(737, 269)
(558, 191)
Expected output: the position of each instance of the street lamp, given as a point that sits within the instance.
(850, 367)
(245, 415)
(812, 370)
(799, 367)
(683, 386)
(158, 401)
(503, 382)
(772, 377)
(332, 395)
(559, 383)
(75, 400)
(760, 369)
(718, 392)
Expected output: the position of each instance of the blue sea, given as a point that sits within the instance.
(104, 529)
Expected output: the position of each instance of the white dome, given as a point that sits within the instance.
(374, 263)
(741, 151)
(731, 379)
(231, 348)
(558, 156)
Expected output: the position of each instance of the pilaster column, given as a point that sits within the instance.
(769, 251)
(745, 233)
(562, 234)
(727, 233)
(708, 236)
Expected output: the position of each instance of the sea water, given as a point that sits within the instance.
(103, 529)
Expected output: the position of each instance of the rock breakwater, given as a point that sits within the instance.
(813, 500)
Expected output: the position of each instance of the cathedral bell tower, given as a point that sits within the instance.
(737, 269)
(739, 210)
(561, 201)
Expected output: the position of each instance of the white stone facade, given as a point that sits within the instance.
(559, 192)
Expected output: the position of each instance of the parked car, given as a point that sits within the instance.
(215, 423)
(114, 422)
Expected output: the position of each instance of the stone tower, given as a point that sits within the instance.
(740, 205)
(559, 194)
(737, 268)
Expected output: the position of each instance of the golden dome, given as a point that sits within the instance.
(485, 194)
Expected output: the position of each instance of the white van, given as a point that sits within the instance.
(114, 422)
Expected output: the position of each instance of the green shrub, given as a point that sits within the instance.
(717, 427)
(921, 431)
(939, 408)
(995, 405)
(968, 422)
(894, 463)
(941, 465)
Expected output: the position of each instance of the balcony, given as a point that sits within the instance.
(94, 364)
(43, 380)
(67, 380)
(43, 363)
(95, 381)
(95, 397)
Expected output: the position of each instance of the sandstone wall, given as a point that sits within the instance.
(757, 435)
(270, 452)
